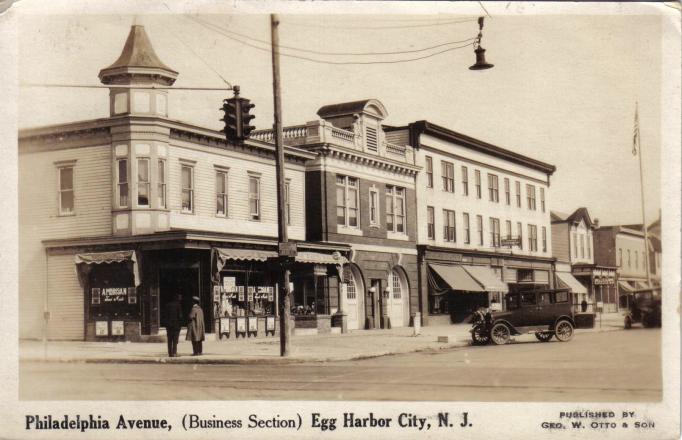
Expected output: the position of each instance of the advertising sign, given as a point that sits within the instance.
(101, 328)
(250, 293)
(132, 295)
(216, 293)
(241, 324)
(95, 295)
(241, 293)
(253, 324)
(270, 323)
(117, 328)
(271, 293)
(114, 294)
(229, 283)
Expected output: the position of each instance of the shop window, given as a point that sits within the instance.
(395, 209)
(66, 191)
(143, 182)
(347, 201)
(465, 180)
(429, 172)
(524, 275)
(122, 182)
(449, 229)
(493, 188)
(477, 182)
(430, 223)
(161, 185)
(187, 177)
(467, 231)
(448, 175)
(254, 198)
(221, 193)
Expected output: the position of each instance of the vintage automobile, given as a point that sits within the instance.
(643, 306)
(544, 313)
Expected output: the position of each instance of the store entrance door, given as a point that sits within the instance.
(178, 280)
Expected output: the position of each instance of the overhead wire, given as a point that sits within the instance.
(221, 31)
(316, 52)
(364, 27)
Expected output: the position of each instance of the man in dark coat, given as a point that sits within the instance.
(174, 321)
(195, 327)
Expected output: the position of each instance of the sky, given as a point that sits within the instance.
(563, 89)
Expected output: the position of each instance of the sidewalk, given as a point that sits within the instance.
(359, 344)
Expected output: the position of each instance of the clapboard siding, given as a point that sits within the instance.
(560, 242)
(238, 221)
(398, 137)
(39, 219)
(64, 298)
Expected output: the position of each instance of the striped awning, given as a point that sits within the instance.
(320, 258)
(225, 254)
(456, 277)
(625, 287)
(569, 281)
(487, 278)
(108, 258)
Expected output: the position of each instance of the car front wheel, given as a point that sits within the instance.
(500, 334)
(563, 330)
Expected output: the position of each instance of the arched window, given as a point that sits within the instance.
(396, 284)
(351, 288)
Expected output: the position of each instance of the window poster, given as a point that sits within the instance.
(95, 292)
(229, 283)
(101, 328)
(241, 324)
(117, 328)
(132, 295)
(241, 293)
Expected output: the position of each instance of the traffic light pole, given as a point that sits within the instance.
(286, 252)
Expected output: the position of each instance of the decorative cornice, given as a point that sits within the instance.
(361, 158)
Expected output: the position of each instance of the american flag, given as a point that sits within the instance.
(635, 133)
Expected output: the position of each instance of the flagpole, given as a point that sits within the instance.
(641, 187)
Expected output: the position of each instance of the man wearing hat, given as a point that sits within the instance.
(195, 327)
(173, 322)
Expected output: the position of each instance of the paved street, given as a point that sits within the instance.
(612, 366)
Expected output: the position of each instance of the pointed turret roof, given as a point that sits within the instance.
(138, 58)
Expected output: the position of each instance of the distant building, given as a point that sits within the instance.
(573, 247)
(483, 221)
(655, 249)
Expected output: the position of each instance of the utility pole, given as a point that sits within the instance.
(641, 187)
(286, 250)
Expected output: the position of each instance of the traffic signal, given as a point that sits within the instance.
(232, 128)
(245, 109)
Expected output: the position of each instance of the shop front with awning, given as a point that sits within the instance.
(579, 293)
(458, 290)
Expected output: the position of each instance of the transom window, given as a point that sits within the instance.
(142, 182)
(395, 209)
(448, 175)
(187, 193)
(347, 201)
(66, 192)
(221, 193)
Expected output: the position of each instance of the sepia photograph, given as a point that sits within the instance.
(344, 217)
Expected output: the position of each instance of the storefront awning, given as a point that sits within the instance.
(108, 258)
(487, 278)
(625, 287)
(569, 281)
(225, 254)
(457, 278)
(643, 285)
(320, 258)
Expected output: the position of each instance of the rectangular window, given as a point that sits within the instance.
(347, 202)
(467, 231)
(636, 260)
(429, 172)
(532, 238)
(574, 238)
(373, 207)
(254, 197)
(161, 186)
(142, 182)
(448, 176)
(395, 209)
(287, 201)
(544, 239)
(517, 185)
(122, 183)
(494, 232)
(477, 182)
(509, 229)
(629, 260)
(620, 257)
(582, 246)
(221, 193)
(66, 193)
(449, 232)
(530, 197)
(479, 226)
(542, 199)
(493, 188)
(519, 231)
(465, 180)
(507, 191)
(589, 247)
(430, 223)
(187, 188)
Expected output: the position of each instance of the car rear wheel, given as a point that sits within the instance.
(479, 335)
(544, 337)
(563, 330)
(500, 334)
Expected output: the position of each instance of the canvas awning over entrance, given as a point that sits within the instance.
(110, 257)
(643, 285)
(568, 281)
(624, 286)
(487, 278)
(320, 258)
(456, 277)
